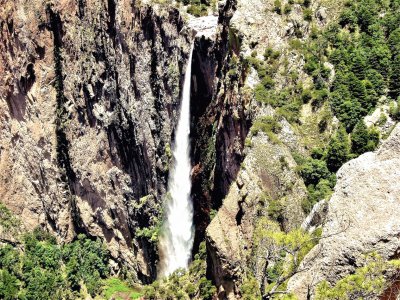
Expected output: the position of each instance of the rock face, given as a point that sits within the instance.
(363, 217)
(235, 187)
(88, 106)
(261, 180)
(221, 118)
(89, 94)
(88, 99)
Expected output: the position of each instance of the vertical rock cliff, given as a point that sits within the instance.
(221, 118)
(88, 110)
(88, 102)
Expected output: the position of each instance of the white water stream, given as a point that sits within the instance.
(176, 240)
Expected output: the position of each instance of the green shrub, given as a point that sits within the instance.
(266, 124)
(319, 97)
(362, 139)
(367, 282)
(184, 284)
(271, 54)
(278, 7)
(197, 10)
(250, 289)
(338, 150)
(321, 191)
(267, 82)
(262, 94)
(275, 210)
(290, 110)
(306, 95)
(313, 170)
(307, 14)
(287, 9)
(9, 285)
(394, 110)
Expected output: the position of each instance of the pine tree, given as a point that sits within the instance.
(359, 63)
(359, 138)
(338, 150)
(394, 85)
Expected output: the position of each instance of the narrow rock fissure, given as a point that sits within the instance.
(68, 175)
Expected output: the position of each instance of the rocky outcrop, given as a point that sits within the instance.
(89, 92)
(362, 218)
(267, 175)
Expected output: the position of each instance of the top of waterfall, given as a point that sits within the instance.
(204, 26)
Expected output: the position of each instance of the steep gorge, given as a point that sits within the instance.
(221, 119)
(89, 107)
(89, 104)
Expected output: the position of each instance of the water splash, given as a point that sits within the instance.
(176, 241)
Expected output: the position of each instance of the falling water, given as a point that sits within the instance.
(177, 238)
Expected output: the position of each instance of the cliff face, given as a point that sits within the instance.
(248, 178)
(89, 105)
(89, 102)
(221, 118)
(89, 95)
(231, 234)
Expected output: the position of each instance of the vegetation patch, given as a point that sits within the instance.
(284, 253)
(268, 125)
(43, 269)
(365, 283)
(115, 288)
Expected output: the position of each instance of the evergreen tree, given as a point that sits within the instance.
(8, 286)
(366, 12)
(377, 81)
(394, 41)
(371, 97)
(338, 150)
(356, 87)
(394, 84)
(348, 18)
(359, 138)
(379, 57)
(313, 170)
(359, 63)
(349, 113)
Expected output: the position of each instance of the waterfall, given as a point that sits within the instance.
(176, 240)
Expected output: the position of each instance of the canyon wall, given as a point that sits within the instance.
(88, 100)
(89, 96)
(362, 218)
